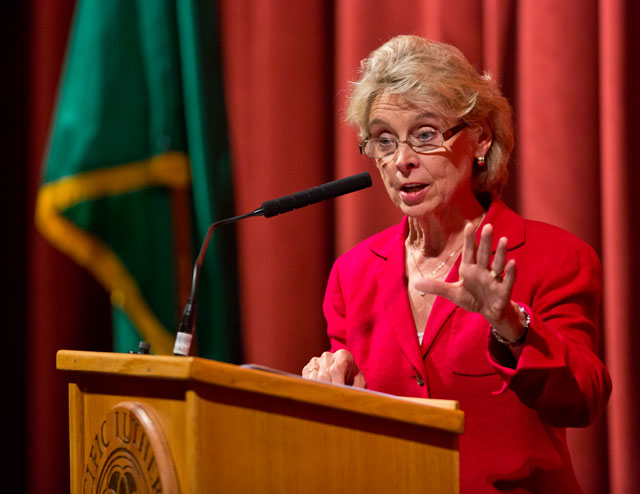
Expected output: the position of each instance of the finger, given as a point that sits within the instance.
(500, 258)
(312, 364)
(359, 380)
(510, 273)
(484, 249)
(310, 371)
(469, 245)
(437, 287)
(341, 367)
(325, 362)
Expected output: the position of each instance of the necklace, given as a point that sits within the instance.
(437, 268)
(442, 264)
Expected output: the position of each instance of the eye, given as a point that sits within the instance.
(385, 142)
(424, 136)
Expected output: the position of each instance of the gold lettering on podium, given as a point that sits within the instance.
(129, 454)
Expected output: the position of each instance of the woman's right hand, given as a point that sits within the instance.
(339, 368)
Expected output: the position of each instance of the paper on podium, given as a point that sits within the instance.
(434, 402)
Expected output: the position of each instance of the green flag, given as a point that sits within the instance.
(138, 168)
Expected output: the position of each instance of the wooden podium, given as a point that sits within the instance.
(185, 424)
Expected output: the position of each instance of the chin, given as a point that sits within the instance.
(417, 210)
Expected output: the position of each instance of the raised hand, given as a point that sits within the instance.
(480, 288)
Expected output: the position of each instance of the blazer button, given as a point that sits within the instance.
(419, 380)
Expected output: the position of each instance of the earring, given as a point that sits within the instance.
(480, 160)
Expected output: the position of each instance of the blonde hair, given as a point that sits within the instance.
(439, 76)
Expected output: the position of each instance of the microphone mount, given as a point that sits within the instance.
(186, 327)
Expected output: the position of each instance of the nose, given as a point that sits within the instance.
(405, 158)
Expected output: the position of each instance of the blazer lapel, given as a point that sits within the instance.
(392, 283)
(440, 312)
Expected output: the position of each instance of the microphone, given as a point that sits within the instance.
(304, 198)
(268, 209)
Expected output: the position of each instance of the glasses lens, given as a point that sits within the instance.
(425, 141)
(379, 148)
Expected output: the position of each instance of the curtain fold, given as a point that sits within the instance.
(620, 180)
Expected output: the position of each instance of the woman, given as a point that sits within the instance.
(464, 299)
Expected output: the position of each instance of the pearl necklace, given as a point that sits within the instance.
(442, 264)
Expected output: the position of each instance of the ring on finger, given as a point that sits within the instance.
(495, 276)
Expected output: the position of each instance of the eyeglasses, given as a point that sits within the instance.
(422, 142)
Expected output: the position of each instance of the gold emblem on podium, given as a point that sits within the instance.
(129, 455)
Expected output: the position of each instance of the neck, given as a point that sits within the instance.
(441, 231)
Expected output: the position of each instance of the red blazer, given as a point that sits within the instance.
(515, 413)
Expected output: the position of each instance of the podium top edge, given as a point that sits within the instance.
(125, 363)
(440, 414)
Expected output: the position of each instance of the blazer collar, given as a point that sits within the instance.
(506, 223)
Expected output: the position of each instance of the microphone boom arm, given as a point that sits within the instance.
(188, 319)
(268, 209)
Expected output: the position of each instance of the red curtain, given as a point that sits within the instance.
(66, 306)
(619, 78)
(569, 69)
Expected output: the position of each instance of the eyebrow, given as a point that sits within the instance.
(426, 114)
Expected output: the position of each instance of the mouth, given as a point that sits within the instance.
(413, 192)
(411, 188)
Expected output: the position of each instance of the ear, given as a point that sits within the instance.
(485, 138)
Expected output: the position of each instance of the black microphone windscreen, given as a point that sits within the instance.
(316, 194)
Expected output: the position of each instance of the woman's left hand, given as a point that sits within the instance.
(480, 288)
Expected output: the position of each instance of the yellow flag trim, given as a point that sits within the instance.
(171, 170)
